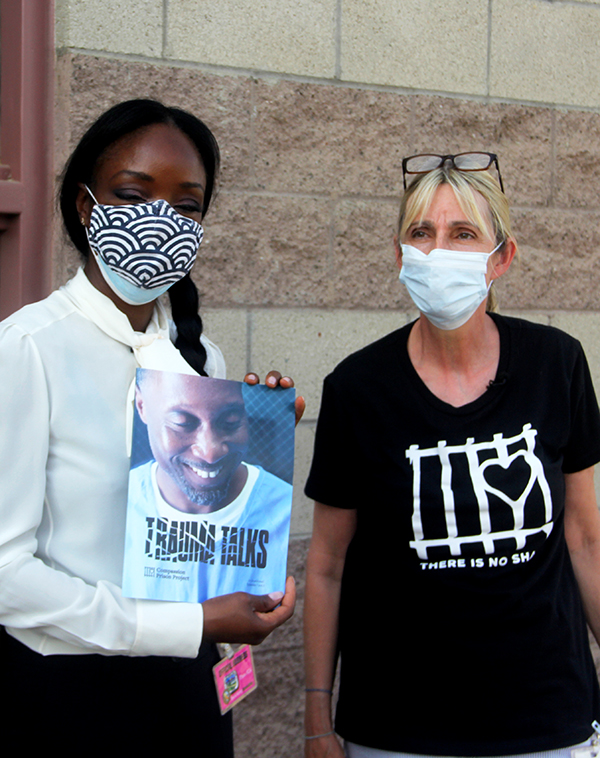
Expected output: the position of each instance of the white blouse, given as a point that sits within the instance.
(64, 384)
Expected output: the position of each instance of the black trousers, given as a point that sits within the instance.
(96, 702)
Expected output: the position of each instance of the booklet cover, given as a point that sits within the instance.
(210, 488)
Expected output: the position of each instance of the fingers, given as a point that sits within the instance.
(299, 407)
(266, 603)
(284, 611)
(286, 382)
(232, 618)
(273, 378)
(289, 598)
(241, 617)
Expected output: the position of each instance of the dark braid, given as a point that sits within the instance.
(121, 120)
(184, 309)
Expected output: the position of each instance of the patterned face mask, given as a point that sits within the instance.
(143, 249)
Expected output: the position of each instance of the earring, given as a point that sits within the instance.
(82, 221)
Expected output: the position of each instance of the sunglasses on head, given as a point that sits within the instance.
(426, 162)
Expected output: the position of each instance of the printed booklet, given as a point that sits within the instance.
(210, 488)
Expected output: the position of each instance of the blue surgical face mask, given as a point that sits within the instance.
(143, 249)
(447, 286)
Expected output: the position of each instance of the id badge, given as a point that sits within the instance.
(235, 677)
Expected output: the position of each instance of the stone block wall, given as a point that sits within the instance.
(311, 182)
(528, 50)
(314, 105)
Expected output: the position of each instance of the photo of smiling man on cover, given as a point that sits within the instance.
(202, 521)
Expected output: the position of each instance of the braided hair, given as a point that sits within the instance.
(119, 121)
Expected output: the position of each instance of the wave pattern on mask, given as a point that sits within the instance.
(149, 245)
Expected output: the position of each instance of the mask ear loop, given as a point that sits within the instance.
(498, 246)
(91, 194)
(87, 234)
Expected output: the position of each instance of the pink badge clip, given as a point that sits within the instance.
(235, 677)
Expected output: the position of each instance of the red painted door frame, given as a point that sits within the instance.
(26, 168)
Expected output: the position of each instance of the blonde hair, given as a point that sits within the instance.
(465, 184)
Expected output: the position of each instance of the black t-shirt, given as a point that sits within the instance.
(461, 625)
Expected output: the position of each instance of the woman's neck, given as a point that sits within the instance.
(139, 315)
(458, 365)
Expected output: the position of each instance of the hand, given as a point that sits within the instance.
(317, 720)
(274, 379)
(323, 747)
(244, 618)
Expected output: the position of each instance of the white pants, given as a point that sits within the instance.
(358, 751)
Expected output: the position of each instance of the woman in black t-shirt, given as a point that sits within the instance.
(455, 516)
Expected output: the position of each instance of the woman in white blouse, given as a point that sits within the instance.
(85, 662)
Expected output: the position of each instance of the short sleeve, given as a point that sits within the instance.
(329, 481)
(583, 447)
